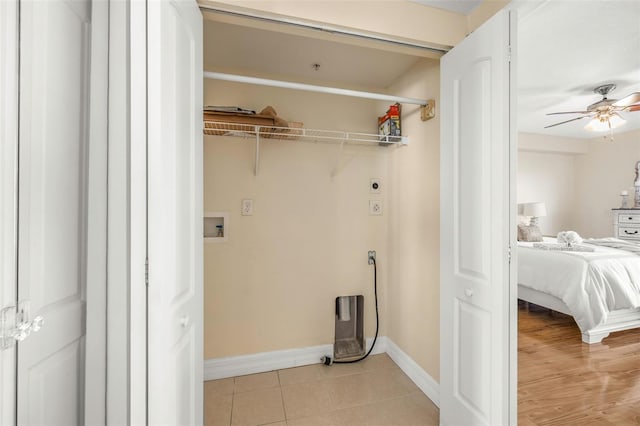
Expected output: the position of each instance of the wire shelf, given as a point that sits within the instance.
(297, 132)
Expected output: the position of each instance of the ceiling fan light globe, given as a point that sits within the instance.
(605, 123)
(616, 120)
(597, 125)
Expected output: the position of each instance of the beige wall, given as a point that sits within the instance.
(400, 19)
(607, 169)
(414, 223)
(579, 180)
(483, 12)
(550, 178)
(272, 285)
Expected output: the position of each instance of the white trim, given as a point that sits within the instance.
(137, 180)
(221, 368)
(118, 234)
(421, 378)
(96, 287)
(8, 192)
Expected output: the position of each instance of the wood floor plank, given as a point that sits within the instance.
(563, 381)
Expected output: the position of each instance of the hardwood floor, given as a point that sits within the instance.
(562, 381)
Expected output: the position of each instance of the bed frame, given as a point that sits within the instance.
(623, 319)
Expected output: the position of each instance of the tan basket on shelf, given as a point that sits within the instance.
(220, 124)
(294, 131)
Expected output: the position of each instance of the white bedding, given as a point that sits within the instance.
(591, 284)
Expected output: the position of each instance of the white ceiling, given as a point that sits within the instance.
(262, 52)
(463, 7)
(565, 50)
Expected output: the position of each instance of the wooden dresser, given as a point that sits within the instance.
(626, 224)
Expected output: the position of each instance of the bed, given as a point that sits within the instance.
(600, 289)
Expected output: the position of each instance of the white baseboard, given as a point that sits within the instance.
(421, 378)
(221, 368)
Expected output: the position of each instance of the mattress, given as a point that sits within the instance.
(591, 284)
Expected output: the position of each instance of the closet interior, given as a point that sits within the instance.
(289, 205)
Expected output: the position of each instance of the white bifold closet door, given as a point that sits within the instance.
(477, 371)
(175, 217)
(55, 48)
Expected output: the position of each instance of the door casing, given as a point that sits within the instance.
(8, 193)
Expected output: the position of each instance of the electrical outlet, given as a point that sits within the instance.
(247, 207)
(371, 256)
(374, 186)
(375, 208)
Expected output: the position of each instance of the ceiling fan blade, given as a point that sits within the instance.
(628, 100)
(568, 112)
(634, 108)
(563, 122)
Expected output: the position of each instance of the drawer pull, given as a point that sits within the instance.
(630, 233)
(630, 218)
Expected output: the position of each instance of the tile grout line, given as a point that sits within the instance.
(233, 399)
(284, 410)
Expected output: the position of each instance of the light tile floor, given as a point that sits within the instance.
(371, 392)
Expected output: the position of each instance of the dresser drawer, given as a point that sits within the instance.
(629, 232)
(629, 218)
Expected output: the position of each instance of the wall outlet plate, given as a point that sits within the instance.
(375, 208)
(247, 207)
(374, 186)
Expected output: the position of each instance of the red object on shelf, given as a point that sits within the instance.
(389, 124)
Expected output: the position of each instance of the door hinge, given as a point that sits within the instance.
(146, 272)
(509, 53)
(509, 254)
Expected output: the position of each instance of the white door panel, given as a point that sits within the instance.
(475, 233)
(175, 213)
(54, 128)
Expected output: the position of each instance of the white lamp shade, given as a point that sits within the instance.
(534, 209)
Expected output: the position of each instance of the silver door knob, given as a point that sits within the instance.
(468, 292)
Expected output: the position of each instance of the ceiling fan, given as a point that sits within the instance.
(604, 114)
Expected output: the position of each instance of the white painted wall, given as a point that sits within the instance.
(579, 180)
(607, 169)
(550, 178)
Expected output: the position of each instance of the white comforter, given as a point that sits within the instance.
(591, 284)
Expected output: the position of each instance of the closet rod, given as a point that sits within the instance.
(312, 88)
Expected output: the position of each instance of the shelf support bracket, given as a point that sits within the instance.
(257, 163)
(428, 111)
(336, 167)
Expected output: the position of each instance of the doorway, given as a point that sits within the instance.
(304, 243)
(579, 174)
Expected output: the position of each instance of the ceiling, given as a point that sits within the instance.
(463, 7)
(292, 57)
(565, 50)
